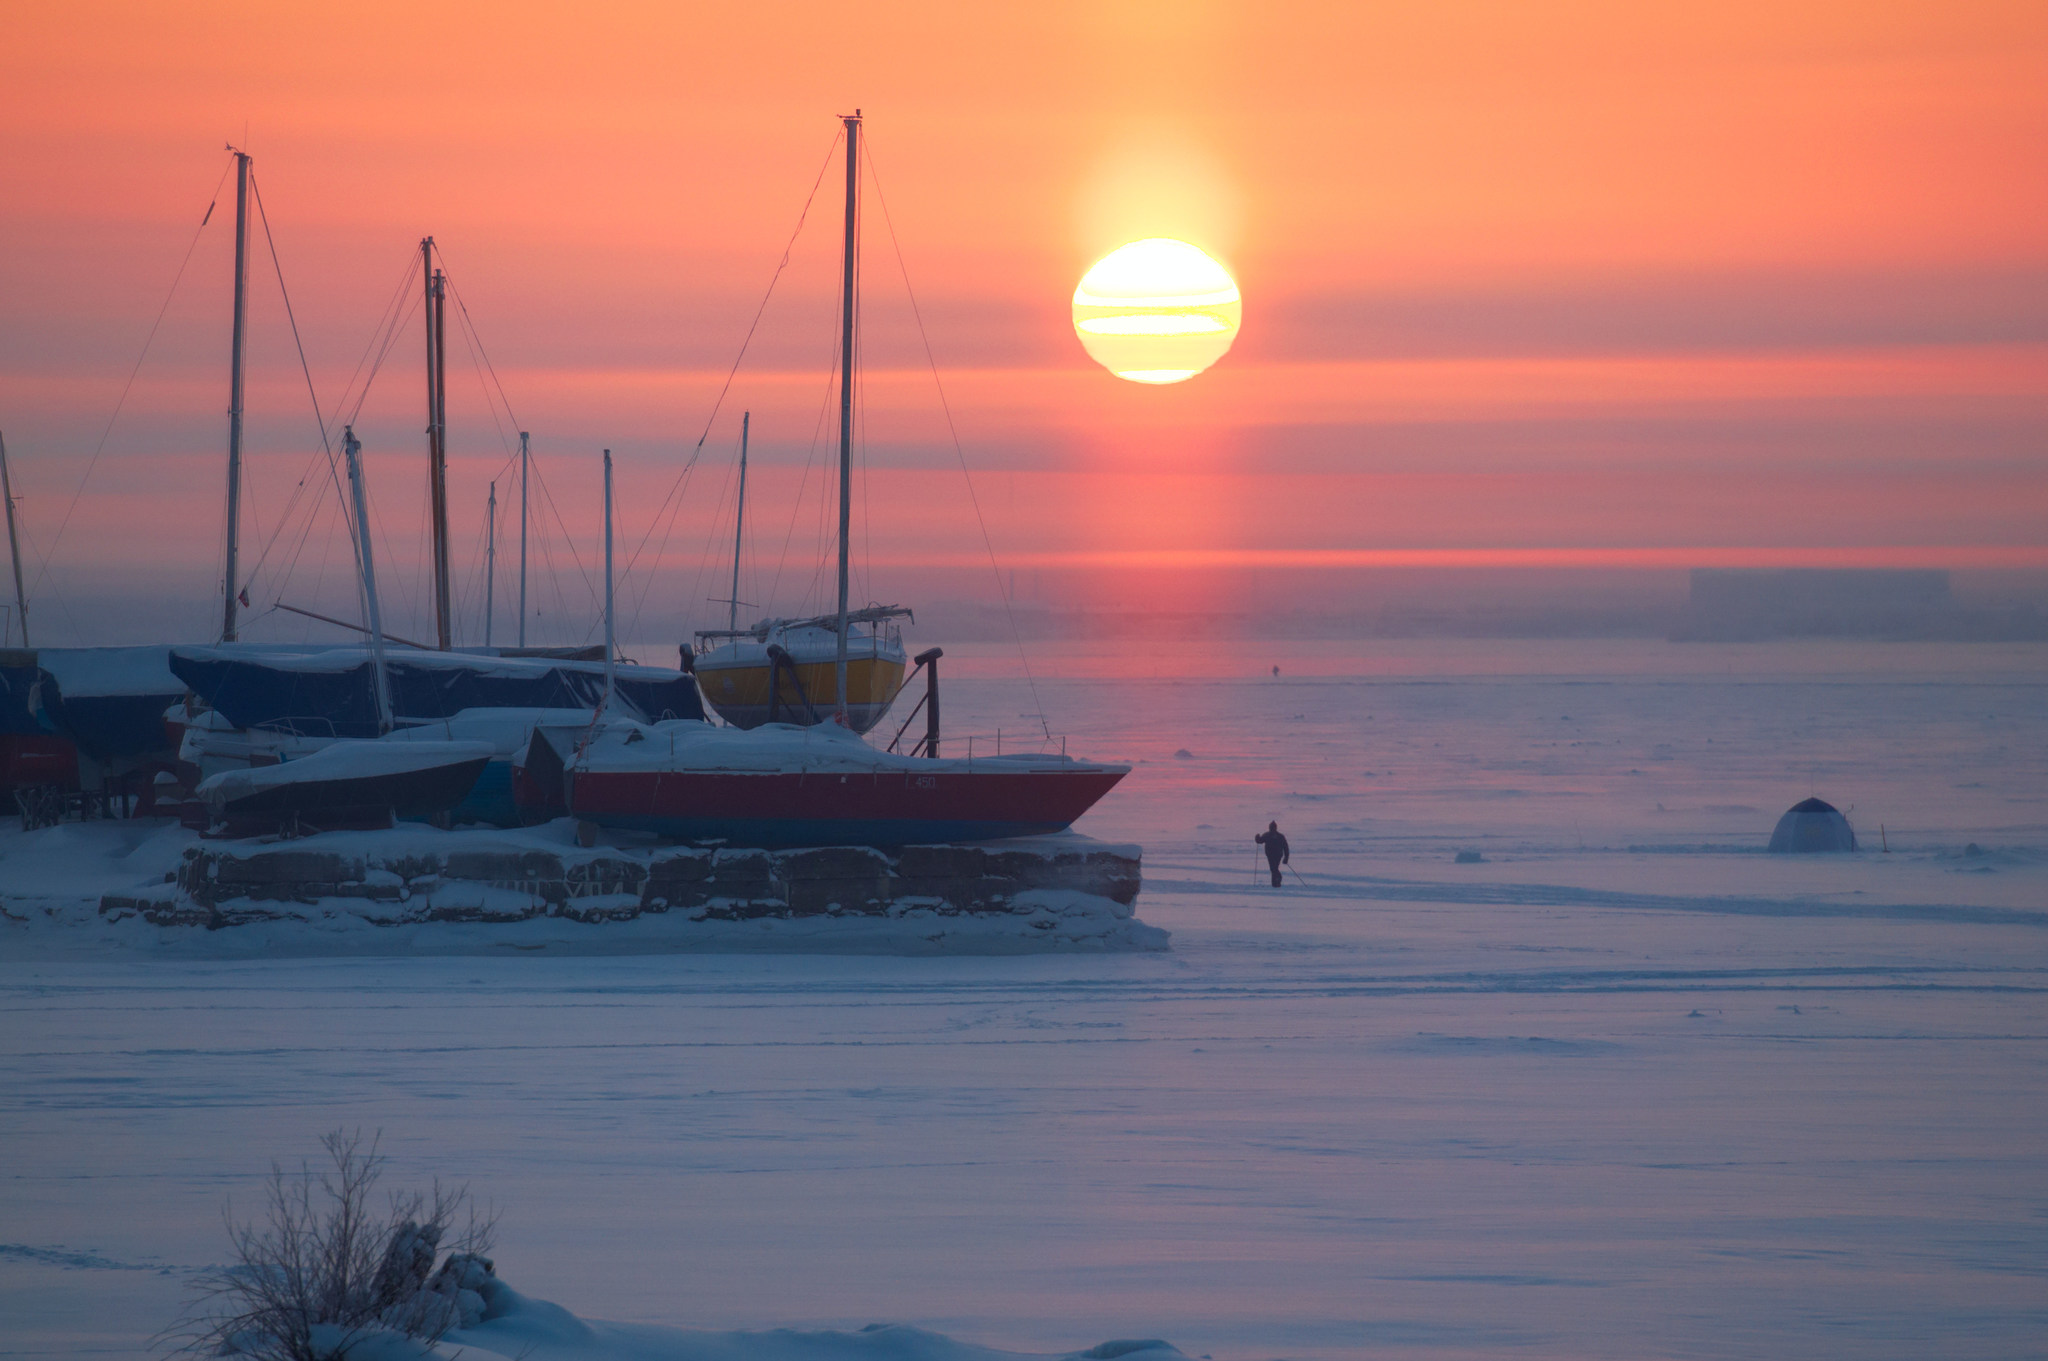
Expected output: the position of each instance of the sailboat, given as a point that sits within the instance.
(846, 666)
(350, 782)
(780, 670)
(800, 783)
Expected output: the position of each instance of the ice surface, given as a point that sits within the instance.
(1631, 1087)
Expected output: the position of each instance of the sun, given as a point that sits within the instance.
(1156, 311)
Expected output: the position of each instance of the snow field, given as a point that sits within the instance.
(1577, 1100)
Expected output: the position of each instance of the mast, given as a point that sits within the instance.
(611, 650)
(522, 538)
(228, 629)
(490, 562)
(13, 544)
(739, 521)
(353, 448)
(846, 390)
(437, 434)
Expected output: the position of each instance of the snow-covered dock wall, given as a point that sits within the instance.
(529, 889)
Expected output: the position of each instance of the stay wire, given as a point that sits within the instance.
(470, 324)
(719, 402)
(326, 444)
(43, 568)
(810, 460)
(396, 311)
(404, 302)
(1002, 588)
(773, 279)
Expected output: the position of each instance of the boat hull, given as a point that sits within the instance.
(411, 793)
(879, 808)
(738, 692)
(348, 784)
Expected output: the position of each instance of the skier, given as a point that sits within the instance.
(1276, 849)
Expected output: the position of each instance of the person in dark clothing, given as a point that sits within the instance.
(1276, 849)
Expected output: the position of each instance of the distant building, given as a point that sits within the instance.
(1730, 603)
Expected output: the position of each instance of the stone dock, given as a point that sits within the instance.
(1064, 891)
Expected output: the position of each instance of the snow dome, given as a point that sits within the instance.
(1814, 825)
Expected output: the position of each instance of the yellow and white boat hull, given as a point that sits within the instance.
(734, 679)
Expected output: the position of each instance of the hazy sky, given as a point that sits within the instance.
(1570, 284)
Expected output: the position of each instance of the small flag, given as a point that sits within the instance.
(243, 596)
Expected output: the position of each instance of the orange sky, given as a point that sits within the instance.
(1746, 282)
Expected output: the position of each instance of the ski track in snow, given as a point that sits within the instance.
(1625, 1088)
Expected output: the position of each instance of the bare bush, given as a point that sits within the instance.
(325, 1268)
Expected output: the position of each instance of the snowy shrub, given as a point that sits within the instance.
(326, 1269)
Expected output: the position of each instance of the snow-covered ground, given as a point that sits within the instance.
(1628, 1087)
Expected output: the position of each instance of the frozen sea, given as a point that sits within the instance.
(1626, 1088)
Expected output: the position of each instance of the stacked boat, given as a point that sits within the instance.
(297, 740)
(786, 785)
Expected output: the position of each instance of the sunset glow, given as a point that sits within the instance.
(1156, 311)
(1606, 277)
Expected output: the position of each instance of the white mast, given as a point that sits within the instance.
(846, 302)
(739, 521)
(611, 650)
(522, 538)
(228, 629)
(353, 448)
(490, 562)
(13, 545)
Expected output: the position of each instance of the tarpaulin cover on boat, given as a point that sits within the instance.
(111, 700)
(329, 692)
(30, 754)
(19, 676)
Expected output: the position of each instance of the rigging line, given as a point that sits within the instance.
(291, 563)
(408, 302)
(783, 264)
(1002, 589)
(647, 583)
(326, 445)
(398, 296)
(675, 493)
(471, 342)
(43, 568)
(719, 402)
(864, 572)
(692, 602)
(463, 308)
(810, 458)
(568, 539)
(554, 576)
(56, 596)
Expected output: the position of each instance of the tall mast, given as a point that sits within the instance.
(437, 434)
(739, 521)
(13, 545)
(846, 390)
(353, 449)
(490, 562)
(611, 647)
(522, 538)
(228, 628)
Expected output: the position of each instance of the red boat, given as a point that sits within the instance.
(780, 785)
(783, 785)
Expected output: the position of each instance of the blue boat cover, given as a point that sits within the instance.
(110, 701)
(329, 693)
(20, 701)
